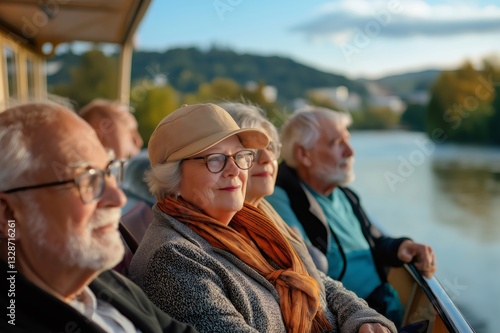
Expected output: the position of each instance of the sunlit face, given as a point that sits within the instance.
(332, 157)
(219, 195)
(60, 230)
(120, 133)
(262, 176)
(96, 246)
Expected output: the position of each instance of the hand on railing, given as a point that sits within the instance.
(422, 256)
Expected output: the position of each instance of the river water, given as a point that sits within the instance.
(447, 196)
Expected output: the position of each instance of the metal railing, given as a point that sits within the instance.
(451, 316)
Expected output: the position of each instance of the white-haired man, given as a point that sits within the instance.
(59, 212)
(310, 196)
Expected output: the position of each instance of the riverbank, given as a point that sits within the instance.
(447, 196)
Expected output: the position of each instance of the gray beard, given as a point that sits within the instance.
(340, 177)
(76, 251)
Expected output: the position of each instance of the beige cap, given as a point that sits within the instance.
(192, 129)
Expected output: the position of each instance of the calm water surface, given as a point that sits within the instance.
(447, 196)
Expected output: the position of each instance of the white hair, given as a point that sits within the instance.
(250, 116)
(164, 179)
(302, 129)
(16, 126)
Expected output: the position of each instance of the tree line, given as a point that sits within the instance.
(463, 106)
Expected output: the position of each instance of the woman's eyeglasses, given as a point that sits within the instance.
(273, 147)
(215, 163)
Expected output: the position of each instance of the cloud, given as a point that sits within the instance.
(399, 19)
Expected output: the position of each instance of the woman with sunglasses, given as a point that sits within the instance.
(214, 261)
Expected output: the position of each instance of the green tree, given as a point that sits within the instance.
(94, 77)
(461, 106)
(492, 72)
(375, 118)
(217, 90)
(223, 89)
(151, 105)
(323, 101)
(414, 117)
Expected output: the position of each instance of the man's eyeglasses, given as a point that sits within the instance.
(217, 162)
(272, 147)
(90, 183)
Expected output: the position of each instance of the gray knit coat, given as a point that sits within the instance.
(213, 290)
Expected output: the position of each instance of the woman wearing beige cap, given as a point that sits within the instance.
(212, 260)
(262, 177)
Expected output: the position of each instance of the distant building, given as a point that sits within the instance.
(299, 103)
(270, 93)
(420, 97)
(343, 99)
(393, 103)
(337, 96)
(53, 67)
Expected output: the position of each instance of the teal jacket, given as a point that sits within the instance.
(383, 248)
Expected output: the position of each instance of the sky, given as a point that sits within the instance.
(356, 38)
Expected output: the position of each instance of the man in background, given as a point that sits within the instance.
(311, 196)
(115, 126)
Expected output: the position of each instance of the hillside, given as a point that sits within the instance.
(403, 84)
(186, 68)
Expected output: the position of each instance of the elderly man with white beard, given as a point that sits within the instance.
(310, 196)
(59, 213)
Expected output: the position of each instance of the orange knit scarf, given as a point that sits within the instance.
(249, 233)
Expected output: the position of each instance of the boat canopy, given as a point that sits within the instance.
(30, 31)
(38, 22)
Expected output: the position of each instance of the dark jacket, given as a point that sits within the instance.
(37, 311)
(384, 249)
